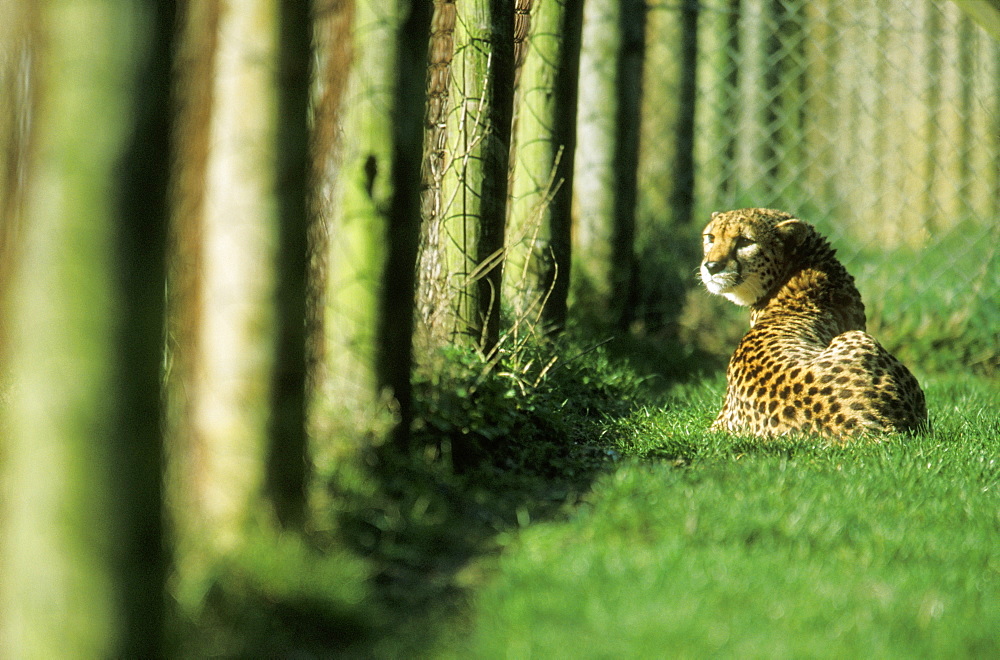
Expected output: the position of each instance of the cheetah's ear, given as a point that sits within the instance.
(715, 214)
(792, 230)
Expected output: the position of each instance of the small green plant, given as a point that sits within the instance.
(542, 395)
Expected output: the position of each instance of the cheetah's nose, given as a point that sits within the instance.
(714, 267)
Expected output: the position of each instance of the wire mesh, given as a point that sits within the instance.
(877, 121)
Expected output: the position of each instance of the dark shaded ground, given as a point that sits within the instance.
(421, 530)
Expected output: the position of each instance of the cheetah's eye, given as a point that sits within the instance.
(708, 239)
(743, 241)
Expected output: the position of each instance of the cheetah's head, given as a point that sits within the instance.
(746, 251)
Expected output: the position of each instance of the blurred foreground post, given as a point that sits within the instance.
(222, 276)
(286, 456)
(82, 558)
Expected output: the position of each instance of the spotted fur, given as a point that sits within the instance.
(806, 364)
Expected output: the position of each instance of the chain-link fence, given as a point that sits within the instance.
(877, 121)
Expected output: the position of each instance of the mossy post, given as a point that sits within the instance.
(374, 225)
(539, 263)
(469, 90)
(402, 218)
(441, 305)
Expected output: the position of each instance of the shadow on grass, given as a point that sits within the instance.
(491, 456)
(390, 568)
(426, 520)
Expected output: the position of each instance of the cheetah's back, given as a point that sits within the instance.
(806, 364)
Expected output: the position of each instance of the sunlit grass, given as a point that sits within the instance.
(590, 513)
(783, 548)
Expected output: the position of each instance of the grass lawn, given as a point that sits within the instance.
(594, 516)
(699, 545)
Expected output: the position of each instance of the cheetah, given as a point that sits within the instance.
(806, 365)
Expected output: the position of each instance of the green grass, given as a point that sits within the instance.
(583, 510)
(743, 548)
